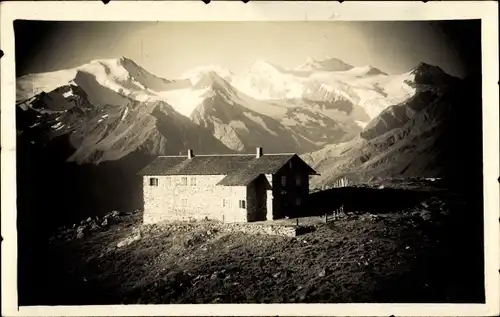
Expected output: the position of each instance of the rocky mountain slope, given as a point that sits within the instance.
(110, 132)
(426, 136)
(293, 110)
(234, 118)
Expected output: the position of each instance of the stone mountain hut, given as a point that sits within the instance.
(228, 188)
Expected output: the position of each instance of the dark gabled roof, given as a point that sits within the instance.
(240, 169)
(243, 179)
(211, 164)
(266, 164)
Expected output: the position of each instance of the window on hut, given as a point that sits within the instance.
(184, 181)
(298, 180)
(298, 201)
(242, 204)
(283, 180)
(193, 181)
(226, 203)
(153, 181)
(184, 202)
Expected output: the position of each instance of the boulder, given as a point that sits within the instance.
(129, 240)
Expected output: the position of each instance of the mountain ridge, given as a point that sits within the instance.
(332, 106)
(422, 140)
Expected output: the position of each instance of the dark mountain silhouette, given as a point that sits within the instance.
(434, 134)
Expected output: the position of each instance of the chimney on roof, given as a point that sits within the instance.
(190, 154)
(259, 152)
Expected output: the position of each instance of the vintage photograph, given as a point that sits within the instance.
(248, 162)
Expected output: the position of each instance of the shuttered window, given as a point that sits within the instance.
(153, 181)
(242, 204)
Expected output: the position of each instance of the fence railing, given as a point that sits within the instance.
(334, 215)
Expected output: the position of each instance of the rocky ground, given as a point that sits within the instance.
(410, 256)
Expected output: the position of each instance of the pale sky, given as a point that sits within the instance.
(167, 49)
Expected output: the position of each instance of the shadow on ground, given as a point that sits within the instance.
(397, 257)
(360, 200)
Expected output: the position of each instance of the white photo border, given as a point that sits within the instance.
(487, 11)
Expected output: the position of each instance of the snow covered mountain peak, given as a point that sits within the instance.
(204, 83)
(263, 66)
(200, 71)
(121, 60)
(366, 71)
(115, 64)
(120, 74)
(427, 74)
(118, 68)
(209, 79)
(125, 59)
(327, 64)
(370, 70)
(310, 60)
(424, 67)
